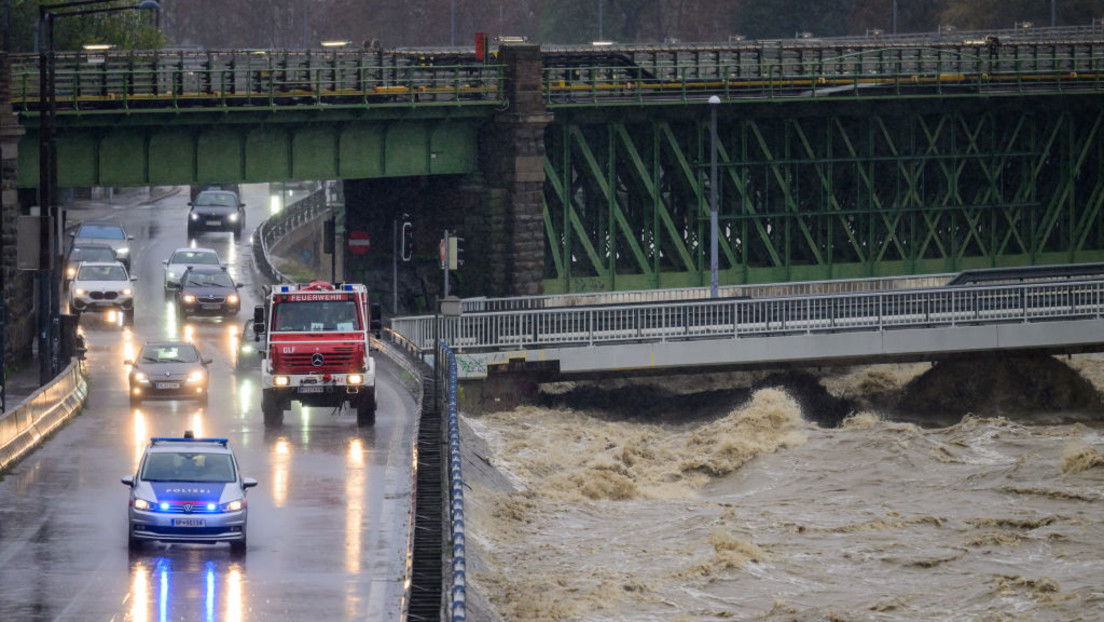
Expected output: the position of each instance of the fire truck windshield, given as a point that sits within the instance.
(315, 316)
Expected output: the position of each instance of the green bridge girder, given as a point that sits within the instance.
(822, 191)
(166, 149)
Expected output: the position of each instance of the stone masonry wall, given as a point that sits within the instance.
(17, 286)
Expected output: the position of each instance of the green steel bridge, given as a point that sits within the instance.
(837, 159)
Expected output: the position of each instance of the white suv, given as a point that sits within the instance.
(102, 285)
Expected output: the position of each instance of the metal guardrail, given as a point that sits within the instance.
(183, 80)
(796, 288)
(299, 214)
(735, 318)
(458, 582)
(797, 73)
(22, 428)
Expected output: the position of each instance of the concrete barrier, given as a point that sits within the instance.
(24, 427)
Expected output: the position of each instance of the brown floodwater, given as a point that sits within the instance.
(728, 497)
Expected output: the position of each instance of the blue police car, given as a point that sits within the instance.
(188, 490)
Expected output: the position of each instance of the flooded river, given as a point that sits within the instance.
(864, 494)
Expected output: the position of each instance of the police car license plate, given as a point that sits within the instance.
(189, 522)
(214, 222)
(168, 385)
(311, 389)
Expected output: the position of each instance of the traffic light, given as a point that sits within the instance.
(328, 233)
(455, 253)
(407, 241)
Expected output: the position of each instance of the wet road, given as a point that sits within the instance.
(328, 522)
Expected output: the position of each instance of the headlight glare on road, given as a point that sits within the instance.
(141, 504)
(189, 299)
(355, 379)
(232, 299)
(281, 381)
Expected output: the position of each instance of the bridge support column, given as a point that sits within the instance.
(512, 160)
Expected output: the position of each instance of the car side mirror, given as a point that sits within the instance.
(190, 203)
(130, 237)
(133, 278)
(238, 285)
(248, 482)
(128, 362)
(72, 234)
(128, 480)
(206, 361)
(165, 261)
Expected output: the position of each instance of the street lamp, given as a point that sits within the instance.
(714, 101)
(50, 247)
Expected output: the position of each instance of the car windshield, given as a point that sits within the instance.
(91, 254)
(174, 353)
(207, 279)
(103, 232)
(187, 467)
(199, 258)
(102, 273)
(316, 316)
(219, 199)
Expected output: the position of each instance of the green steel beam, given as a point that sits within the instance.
(825, 191)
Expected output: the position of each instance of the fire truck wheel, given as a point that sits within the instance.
(366, 409)
(272, 409)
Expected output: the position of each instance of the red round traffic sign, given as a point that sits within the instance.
(359, 242)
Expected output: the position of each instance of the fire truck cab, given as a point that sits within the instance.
(317, 349)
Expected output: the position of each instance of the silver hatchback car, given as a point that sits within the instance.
(188, 490)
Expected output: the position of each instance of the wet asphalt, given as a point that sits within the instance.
(328, 522)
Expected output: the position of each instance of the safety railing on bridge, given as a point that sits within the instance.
(106, 82)
(647, 296)
(818, 72)
(738, 318)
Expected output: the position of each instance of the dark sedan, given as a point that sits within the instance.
(216, 210)
(86, 252)
(207, 291)
(168, 369)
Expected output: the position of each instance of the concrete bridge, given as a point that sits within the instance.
(573, 170)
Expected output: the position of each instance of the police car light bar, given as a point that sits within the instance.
(173, 439)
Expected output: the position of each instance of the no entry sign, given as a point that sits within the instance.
(359, 242)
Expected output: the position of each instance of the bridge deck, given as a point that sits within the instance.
(832, 328)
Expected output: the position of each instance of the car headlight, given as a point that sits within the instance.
(128, 292)
(189, 299)
(233, 506)
(71, 272)
(232, 299)
(233, 218)
(195, 376)
(355, 379)
(281, 381)
(140, 377)
(141, 504)
(171, 274)
(193, 216)
(122, 251)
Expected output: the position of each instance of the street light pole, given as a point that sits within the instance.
(714, 284)
(52, 225)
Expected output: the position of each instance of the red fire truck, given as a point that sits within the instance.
(318, 350)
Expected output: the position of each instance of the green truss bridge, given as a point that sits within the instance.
(588, 169)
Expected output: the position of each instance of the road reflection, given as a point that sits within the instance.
(354, 504)
(178, 584)
(281, 459)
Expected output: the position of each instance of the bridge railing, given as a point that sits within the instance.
(808, 74)
(796, 288)
(736, 318)
(137, 80)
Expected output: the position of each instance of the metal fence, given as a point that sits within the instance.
(22, 428)
(733, 318)
(299, 214)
